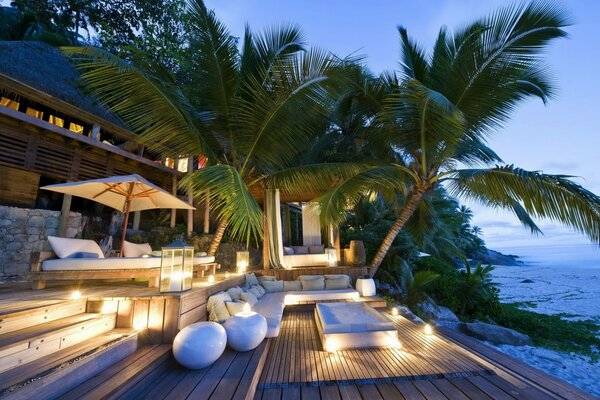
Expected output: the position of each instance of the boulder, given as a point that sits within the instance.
(495, 334)
(434, 312)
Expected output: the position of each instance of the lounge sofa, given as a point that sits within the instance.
(304, 256)
(272, 302)
(79, 259)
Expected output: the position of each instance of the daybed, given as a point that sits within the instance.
(304, 256)
(78, 259)
(271, 304)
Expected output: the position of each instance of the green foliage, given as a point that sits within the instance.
(551, 331)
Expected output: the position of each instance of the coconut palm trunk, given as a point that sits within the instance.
(405, 214)
(214, 245)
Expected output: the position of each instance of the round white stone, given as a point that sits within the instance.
(199, 345)
(245, 331)
(366, 287)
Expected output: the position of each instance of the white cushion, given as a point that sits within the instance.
(234, 292)
(136, 250)
(234, 307)
(292, 286)
(273, 286)
(288, 251)
(96, 264)
(305, 260)
(317, 295)
(264, 278)
(251, 279)
(200, 259)
(261, 290)
(64, 247)
(351, 317)
(256, 291)
(249, 298)
(316, 249)
(312, 282)
(217, 310)
(271, 307)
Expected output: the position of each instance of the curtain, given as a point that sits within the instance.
(273, 214)
(311, 224)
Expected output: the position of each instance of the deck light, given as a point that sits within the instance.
(211, 279)
(140, 323)
(226, 274)
(331, 255)
(331, 345)
(428, 329)
(176, 267)
(395, 311)
(76, 295)
(242, 261)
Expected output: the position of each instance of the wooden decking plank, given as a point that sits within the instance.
(489, 388)
(310, 393)
(330, 392)
(163, 386)
(429, 390)
(209, 382)
(291, 393)
(369, 392)
(470, 390)
(529, 393)
(388, 391)
(350, 392)
(230, 380)
(409, 390)
(249, 381)
(449, 390)
(149, 381)
(272, 394)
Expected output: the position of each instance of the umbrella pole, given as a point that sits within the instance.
(126, 219)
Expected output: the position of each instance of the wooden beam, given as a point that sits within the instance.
(64, 215)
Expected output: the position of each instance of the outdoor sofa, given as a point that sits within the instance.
(276, 295)
(79, 259)
(304, 256)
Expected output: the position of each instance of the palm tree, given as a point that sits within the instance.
(251, 111)
(445, 107)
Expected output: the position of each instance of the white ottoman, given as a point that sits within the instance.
(366, 287)
(199, 345)
(245, 330)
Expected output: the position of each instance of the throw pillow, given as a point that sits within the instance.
(255, 291)
(292, 286)
(312, 282)
(234, 292)
(273, 286)
(288, 251)
(335, 282)
(261, 290)
(64, 247)
(316, 249)
(251, 280)
(234, 307)
(300, 249)
(217, 310)
(265, 278)
(249, 298)
(135, 249)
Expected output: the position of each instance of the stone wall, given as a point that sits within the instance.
(24, 231)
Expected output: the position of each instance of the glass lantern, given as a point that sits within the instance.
(242, 261)
(331, 256)
(176, 267)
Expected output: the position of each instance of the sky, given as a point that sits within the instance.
(560, 137)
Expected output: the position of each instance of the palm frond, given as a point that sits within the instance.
(229, 195)
(146, 99)
(413, 58)
(554, 197)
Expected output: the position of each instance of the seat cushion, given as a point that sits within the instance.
(300, 249)
(334, 282)
(312, 282)
(136, 249)
(292, 286)
(65, 247)
(98, 264)
(316, 249)
(305, 260)
(271, 307)
(200, 259)
(273, 286)
(317, 295)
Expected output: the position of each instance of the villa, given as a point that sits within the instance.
(157, 245)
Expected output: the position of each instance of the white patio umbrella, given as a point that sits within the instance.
(124, 193)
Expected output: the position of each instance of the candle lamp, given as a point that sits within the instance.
(331, 256)
(176, 267)
(242, 261)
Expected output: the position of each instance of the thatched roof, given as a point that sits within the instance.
(46, 69)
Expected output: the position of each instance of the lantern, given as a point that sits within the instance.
(242, 261)
(331, 256)
(176, 267)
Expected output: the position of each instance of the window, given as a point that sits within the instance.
(34, 113)
(73, 127)
(9, 103)
(53, 119)
(182, 165)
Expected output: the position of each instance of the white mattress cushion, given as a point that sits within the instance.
(136, 249)
(199, 259)
(271, 307)
(65, 247)
(305, 260)
(83, 264)
(316, 295)
(351, 317)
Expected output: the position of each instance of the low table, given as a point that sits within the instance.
(353, 325)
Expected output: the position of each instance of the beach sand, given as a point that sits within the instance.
(574, 293)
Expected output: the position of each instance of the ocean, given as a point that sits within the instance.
(557, 256)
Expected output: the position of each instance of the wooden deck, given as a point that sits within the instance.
(297, 358)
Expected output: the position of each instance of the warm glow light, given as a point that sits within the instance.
(76, 295)
(226, 274)
(109, 307)
(140, 323)
(211, 279)
(395, 311)
(428, 329)
(246, 308)
(332, 345)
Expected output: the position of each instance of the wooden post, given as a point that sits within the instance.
(288, 224)
(64, 215)
(266, 257)
(207, 215)
(174, 211)
(190, 213)
(335, 240)
(136, 220)
(95, 132)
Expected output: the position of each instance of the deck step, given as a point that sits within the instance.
(28, 344)
(29, 314)
(120, 377)
(51, 376)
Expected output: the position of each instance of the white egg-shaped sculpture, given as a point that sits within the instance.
(199, 345)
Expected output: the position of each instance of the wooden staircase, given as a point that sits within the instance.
(47, 349)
